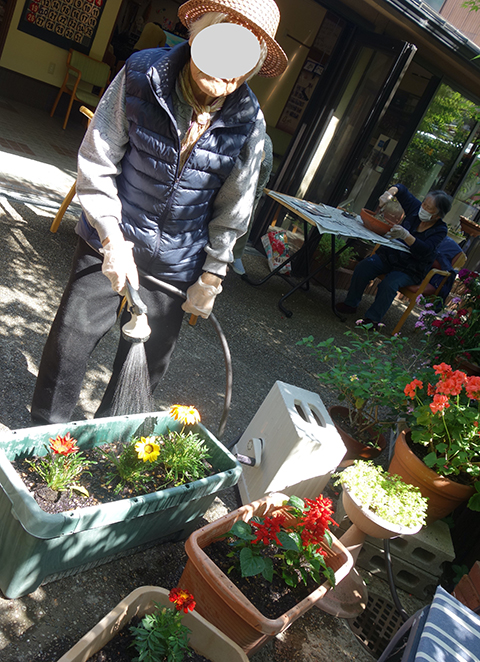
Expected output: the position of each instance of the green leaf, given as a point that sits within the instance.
(287, 541)
(267, 571)
(430, 459)
(330, 575)
(296, 502)
(242, 530)
(250, 563)
(328, 538)
(474, 502)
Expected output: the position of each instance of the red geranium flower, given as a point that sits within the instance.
(472, 387)
(440, 402)
(411, 388)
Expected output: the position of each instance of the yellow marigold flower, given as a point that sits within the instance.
(147, 449)
(185, 414)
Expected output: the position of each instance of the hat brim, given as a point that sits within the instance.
(276, 61)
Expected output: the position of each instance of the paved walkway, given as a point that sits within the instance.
(37, 168)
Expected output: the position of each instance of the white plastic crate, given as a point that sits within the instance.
(294, 442)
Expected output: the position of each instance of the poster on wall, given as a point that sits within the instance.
(64, 23)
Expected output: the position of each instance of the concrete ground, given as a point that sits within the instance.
(37, 168)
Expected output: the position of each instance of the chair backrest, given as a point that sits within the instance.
(94, 72)
(459, 260)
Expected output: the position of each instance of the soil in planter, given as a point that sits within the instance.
(364, 437)
(422, 451)
(94, 479)
(119, 649)
(272, 599)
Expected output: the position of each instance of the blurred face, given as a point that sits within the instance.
(207, 88)
(222, 58)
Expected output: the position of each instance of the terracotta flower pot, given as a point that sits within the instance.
(444, 495)
(223, 604)
(205, 639)
(355, 449)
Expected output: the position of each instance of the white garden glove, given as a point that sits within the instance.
(384, 198)
(201, 295)
(118, 263)
(398, 232)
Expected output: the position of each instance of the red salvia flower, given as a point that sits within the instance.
(182, 599)
(267, 530)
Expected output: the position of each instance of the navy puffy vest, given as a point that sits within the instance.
(166, 213)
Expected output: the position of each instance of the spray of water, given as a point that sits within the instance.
(133, 394)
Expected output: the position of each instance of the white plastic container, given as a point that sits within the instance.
(294, 443)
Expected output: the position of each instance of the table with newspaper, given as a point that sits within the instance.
(327, 220)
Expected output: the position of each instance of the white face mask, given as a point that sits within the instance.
(424, 215)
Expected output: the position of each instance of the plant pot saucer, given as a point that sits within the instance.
(348, 600)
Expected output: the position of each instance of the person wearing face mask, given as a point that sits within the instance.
(422, 230)
(167, 174)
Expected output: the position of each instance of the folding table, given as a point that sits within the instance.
(327, 220)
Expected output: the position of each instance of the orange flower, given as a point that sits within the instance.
(443, 369)
(187, 415)
(63, 445)
(410, 389)
(453, 384)
(440, 402)
(472, 387)
(182, 599)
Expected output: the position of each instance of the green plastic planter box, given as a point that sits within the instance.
(36, 546)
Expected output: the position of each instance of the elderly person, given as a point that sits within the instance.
(422, 230)
(167, 175)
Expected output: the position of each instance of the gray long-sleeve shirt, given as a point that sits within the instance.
(99, 163)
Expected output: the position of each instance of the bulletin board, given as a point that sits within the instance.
(64, 23)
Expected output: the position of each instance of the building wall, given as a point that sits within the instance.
(463, 19)
(45, 62)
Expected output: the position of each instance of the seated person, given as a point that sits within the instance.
(421, 230)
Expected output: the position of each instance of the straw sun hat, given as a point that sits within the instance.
(259, 16)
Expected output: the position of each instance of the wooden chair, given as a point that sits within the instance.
(70, 195)
(412, 292)
(83, 74)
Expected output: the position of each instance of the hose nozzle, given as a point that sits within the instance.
(137, 329)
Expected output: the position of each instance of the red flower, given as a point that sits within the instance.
(267, 530)
(452, 385)
(450, 331)
(431, 390)
(440, 402)
(410, 389)
(437, 323)
(182, 599)
(317, 516)
(63, 445)
(472, 387)
(443, 369)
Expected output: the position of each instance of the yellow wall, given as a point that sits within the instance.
(300, 19)
(35, 58)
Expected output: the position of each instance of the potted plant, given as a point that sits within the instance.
(440, 452)
(380, 505)
(453, 335)
(387, 504)
(274, 525)
(369, 375)
(36, 545)
(164, 633)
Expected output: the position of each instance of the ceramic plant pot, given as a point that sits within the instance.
(355, 449)
(36, 546)
(205, 638)
(375, 224)
(223, 604)
(444, 495)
